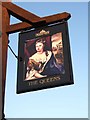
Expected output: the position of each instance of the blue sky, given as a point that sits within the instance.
(60, 102)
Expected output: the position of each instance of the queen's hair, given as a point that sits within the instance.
(43, 41)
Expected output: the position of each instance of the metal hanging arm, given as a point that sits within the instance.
(12, 52)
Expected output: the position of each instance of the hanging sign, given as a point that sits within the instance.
(44, 58)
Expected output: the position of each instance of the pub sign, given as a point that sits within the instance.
(44, 58)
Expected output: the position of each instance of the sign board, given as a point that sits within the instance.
(44, 58)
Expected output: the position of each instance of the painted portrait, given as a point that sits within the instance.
(44, 57)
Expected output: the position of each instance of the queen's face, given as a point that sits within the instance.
(39, 47)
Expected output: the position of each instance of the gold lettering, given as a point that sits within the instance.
(51, 79)
(42, 81)
(58, 78)
(33, 83)
(47, 80)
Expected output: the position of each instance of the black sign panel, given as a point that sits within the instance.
(44, 58)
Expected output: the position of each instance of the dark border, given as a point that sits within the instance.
(67, 78)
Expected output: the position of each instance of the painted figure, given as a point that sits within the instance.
(42, 63)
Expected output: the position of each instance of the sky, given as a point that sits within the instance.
(60, 102)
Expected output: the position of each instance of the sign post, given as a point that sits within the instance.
(5, 23)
